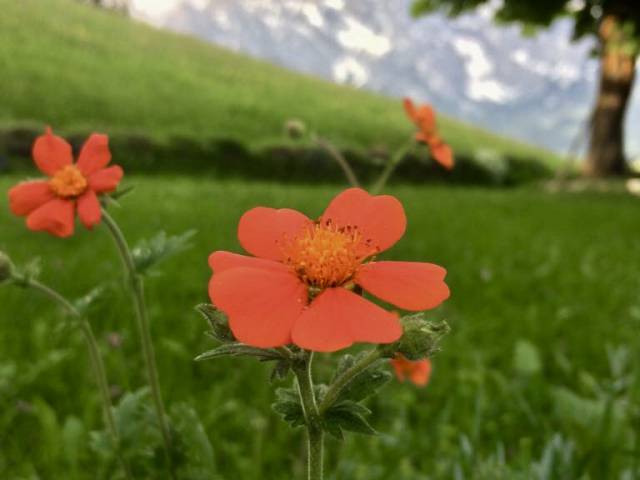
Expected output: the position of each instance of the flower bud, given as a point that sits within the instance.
(295, 129)
(421, 338)
(6, 268)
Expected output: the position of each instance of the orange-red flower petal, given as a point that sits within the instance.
(221, 261)
(262, 305)
(55, 217)
(94, 155)
(51, 153)
(409, 285)
(105, 180)
(27, 196)
(409, 108)
(418, 372)
(89, 209)
(442, 154)
(263, 231)
(379, 218)
(337, 318)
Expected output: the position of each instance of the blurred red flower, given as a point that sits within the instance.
(50, 205)
(418, 371)
(425, 119)
(300, 288)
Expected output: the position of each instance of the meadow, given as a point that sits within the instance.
(538, 378)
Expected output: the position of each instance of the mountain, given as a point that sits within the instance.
(538, 88)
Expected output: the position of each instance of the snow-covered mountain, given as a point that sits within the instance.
(539, 88)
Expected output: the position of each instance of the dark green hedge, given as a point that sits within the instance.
(286, 162)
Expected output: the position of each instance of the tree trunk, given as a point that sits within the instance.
(617, 69)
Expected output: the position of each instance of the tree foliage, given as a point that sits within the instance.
(586, 13)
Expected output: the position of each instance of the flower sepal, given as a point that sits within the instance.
(217, 321)
(420, 339)
(237, 349)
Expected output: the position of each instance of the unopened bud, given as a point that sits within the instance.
(295, 129)
(421, 338)
(6, 268)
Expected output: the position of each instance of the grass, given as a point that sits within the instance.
(538, 379)
(80, 69)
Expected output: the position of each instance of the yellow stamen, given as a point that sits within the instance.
(68, 182)
(324, 256)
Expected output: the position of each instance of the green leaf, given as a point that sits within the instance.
(149, 253)
(526, 358)
(217, 321)
(347, 416)
(122, 192)
(30, 271)
(364, 385)
(83, 303)
(239, 349)
(346, 362)
(288, 406)
(193, 449)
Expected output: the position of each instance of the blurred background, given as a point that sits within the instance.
(537, 224)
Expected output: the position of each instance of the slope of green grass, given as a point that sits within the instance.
(528, 381)
(78, 68)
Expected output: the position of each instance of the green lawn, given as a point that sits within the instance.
(79, 69)
(534, 276)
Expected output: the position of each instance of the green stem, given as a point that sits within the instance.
(340, 160)
(347, 376)
(97, 364)
(144, 331)
(393, 163)
(315, 435)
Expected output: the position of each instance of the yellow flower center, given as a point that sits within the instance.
(68, 182)
(324, 256)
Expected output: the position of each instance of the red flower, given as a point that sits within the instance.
(50, 204)
(418, 371)
(300, 289)
(425, 119)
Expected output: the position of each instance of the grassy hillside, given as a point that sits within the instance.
(79, 68)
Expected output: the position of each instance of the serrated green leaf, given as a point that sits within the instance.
(288, 406)
(239, 349)
(217, 321)
(346, 416)
(364, 384)
(346, 362)
(149, 253)
(352, 406)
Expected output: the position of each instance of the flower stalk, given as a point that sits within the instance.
(340, 160)
(315, 435)
(136, 286)
(97, 365)
(347, 376)
(393, 163)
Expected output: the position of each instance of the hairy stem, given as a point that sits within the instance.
(340, 160)
(315, 435)
(393, 163)
(97, 364)
(142, 320)
(347, 376)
